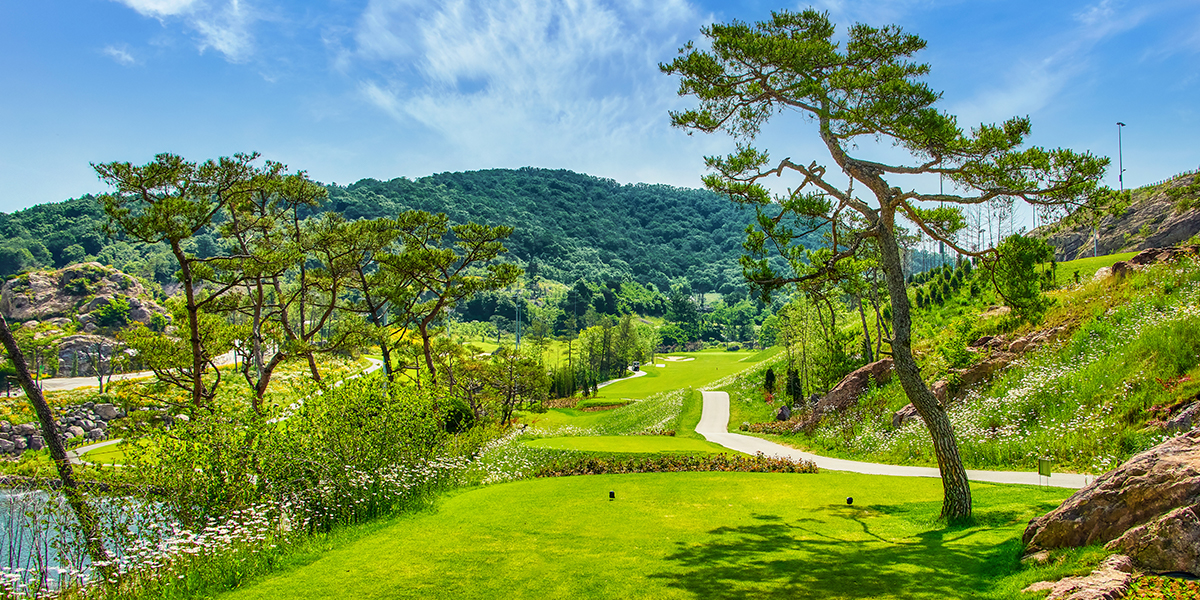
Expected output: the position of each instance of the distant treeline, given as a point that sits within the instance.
(568, 226)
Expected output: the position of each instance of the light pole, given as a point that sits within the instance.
(1120, 159)
(1120, 184)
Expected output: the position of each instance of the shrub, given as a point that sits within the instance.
(585, 464)
(79, 286)
(113, 314)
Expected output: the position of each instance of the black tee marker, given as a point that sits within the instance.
(849, 500)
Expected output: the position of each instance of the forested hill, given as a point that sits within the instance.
(570, 226)
(567, 226)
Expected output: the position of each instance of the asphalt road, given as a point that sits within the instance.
(714, 422)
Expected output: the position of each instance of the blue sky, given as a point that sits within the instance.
(348, 89)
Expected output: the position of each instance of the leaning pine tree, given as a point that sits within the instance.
(868, 88)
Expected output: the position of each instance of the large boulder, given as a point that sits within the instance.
(77, 354)
(1140, 491)
(1167, 545)
(847, 391)
(106, 412)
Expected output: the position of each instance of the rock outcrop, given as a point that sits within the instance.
(1002, 352)
(1152, 220)
(89, 421)
(847, 391)
(1134, 502)
(1107, 582)
(73, 290)
(1169, 544)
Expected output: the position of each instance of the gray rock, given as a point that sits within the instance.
(107, 412)
(36, 442)
(6, 446)
(75, 431)
(87, 425)
(95, 434)
(25, 429)
(20, 444)
(1187, 419)
(784, 413)
(5, 426)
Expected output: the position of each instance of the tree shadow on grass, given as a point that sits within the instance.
(826, 556)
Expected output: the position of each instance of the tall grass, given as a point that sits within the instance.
(1088, 403)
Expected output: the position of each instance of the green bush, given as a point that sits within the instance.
(593, 403)
(79, 286)
(113, 314)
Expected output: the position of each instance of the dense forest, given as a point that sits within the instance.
(567, 226)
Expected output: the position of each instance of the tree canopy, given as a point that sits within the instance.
(857, 92)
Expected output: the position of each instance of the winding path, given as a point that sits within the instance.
(714, 426)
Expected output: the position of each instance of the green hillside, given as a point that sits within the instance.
(567, 226)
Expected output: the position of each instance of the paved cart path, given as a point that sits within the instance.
(714, 422)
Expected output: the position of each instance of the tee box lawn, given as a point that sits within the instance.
(684, 535)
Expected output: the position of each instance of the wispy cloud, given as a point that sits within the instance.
(224, 26)
(531, 81)
(160, 8)
(121, 55)
(1036, 80)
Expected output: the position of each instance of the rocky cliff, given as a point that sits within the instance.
(75, 291)
(1158, 216)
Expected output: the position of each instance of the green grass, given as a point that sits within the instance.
(628, 443)
(1088, 402)
(707, 366)
(1087, 267)
(106, 455)
(686, 535)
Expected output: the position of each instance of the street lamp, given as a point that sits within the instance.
(1120, 159)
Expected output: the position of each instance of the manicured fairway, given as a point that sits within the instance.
(682, 535)
(707, 366)
(628, 443)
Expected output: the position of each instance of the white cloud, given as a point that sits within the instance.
(222, 26)
(121, 55)
(159, 8)
(513, 82)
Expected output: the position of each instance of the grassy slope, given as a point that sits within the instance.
(707, 366)
(1085, 403)
(689, 535)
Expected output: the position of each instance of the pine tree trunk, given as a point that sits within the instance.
(956, 503)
